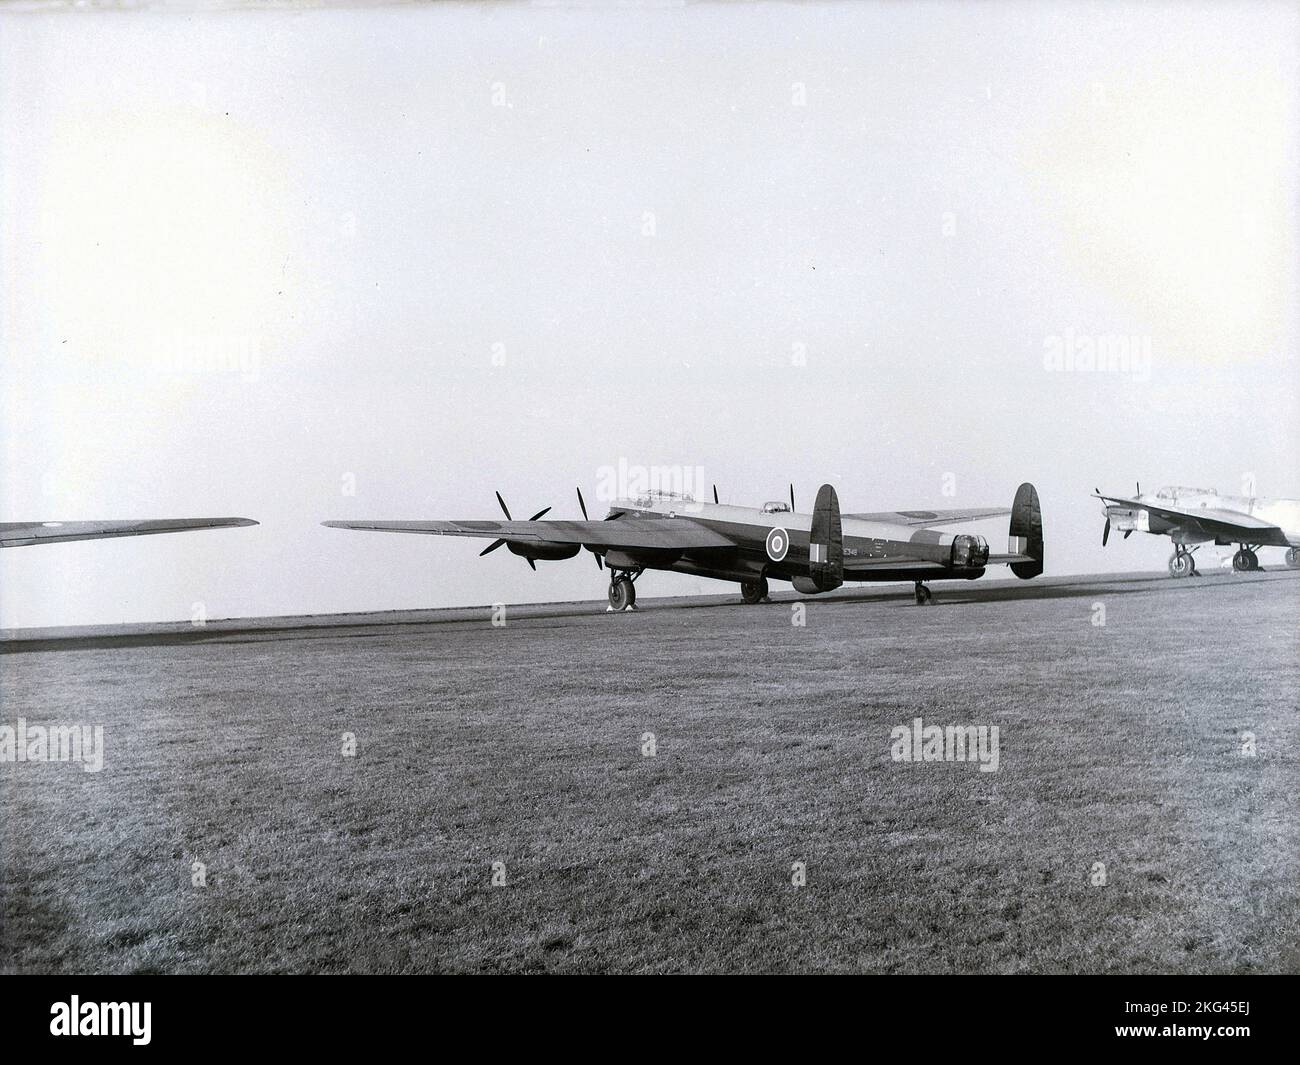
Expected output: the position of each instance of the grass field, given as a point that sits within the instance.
(1120, 744)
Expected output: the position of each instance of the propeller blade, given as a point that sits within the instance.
(505, 509)
(531, 563)
(539, 514)
(490, 548)
(1128, 533)
(715, 493)
(1105, 533)
(792, 497)
(600, 565)
(1138, 486)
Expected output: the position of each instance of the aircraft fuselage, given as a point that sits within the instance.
(776, 544)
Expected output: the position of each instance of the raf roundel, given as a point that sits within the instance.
(778, 543)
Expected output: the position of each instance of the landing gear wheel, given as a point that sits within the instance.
(1181, 564)
(923, 594)
(1254, 560)
(622, 594)
(753, 591)
(1293, 558)
(1241, 561)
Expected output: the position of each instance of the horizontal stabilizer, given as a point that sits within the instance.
(927, 518)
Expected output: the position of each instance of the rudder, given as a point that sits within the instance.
(1025, 536)
(826, 541)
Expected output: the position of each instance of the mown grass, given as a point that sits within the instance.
(1119, 744)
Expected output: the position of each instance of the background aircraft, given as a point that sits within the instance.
(816, 552)
(1190, 516)
(24, 534)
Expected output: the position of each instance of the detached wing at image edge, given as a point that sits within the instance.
(28, 533)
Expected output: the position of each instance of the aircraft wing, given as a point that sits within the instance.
(680, 533)
(925, 518)
(1230, 525)
(25, 533)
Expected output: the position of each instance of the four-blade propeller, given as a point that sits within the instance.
(497, 543)
(582, 503)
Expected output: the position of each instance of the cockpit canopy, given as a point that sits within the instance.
(776, 507)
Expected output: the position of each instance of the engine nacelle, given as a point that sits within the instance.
(542, 552)
(969, 552)
(1132, 519)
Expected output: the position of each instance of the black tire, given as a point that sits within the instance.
(1254, 560)
(1241, 561)
(621, 594)
(1181, 565)
(753, 591)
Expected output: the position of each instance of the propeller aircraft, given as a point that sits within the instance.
(751, 546)
(1194, 516)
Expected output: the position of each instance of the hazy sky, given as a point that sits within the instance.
(254, 261)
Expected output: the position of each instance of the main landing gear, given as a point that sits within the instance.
(1181, 562)
(753, 591)
(1245, 560)
(1293, 558)
(622, 592)
(923, 594)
